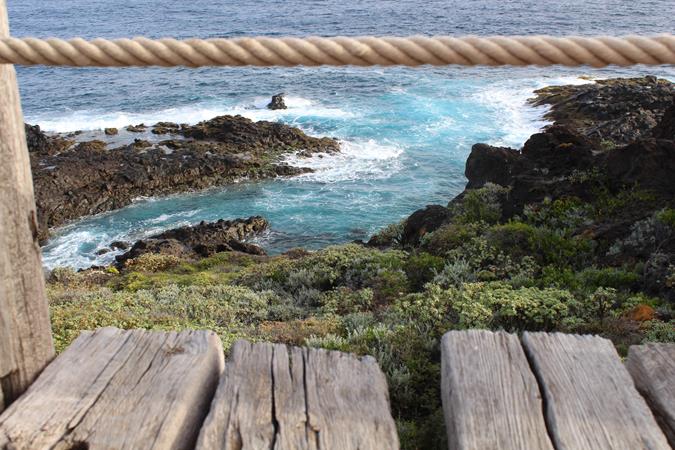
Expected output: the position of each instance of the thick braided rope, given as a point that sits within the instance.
(343, 51)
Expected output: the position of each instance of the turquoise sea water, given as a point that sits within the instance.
(405, 133)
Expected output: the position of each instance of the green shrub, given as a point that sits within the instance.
(486, 305)
(389, 236)
(421, 268)
(449, 237)
(152, 262)
(344, 300)
(567, 213)
(481, 205)
(599, 304)
(455, 273)
(513, 309)
(224, 309)
(611, 277)
(554, 248)
(666, 216)
(388, 285)
(514, 238)
(657, 331)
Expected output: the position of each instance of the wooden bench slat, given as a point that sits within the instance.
(652, 367)
(115, 389)
(490, 396)
(273, 396)
(591, 402)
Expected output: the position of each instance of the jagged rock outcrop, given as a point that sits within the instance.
(201, 240)
(90, 178)
(277, 102)
(41, 144)
(618, 110)
(570, 158)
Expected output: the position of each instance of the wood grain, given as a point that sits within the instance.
(273, 396)
(25, 332)
(652, 367)
(491, 399)
(591, 402)
(115, 389)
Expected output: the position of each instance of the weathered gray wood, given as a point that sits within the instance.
(115, 389)
(652, 367)
(491, 399)
(272, 396)
(25, 332)
(591, 402)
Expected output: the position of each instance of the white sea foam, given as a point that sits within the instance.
(358, 159)
(163, 218)
(64, 250)
(254, 109)
(508, 100)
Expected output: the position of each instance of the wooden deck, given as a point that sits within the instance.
(115, 389)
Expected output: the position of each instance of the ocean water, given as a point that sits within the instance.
(405, 133)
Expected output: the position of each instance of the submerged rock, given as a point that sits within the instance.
(202, 240)
(277, 102)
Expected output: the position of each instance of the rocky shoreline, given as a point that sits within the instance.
(612, 141)
(606, 138)
(573, 233)
(201, 240)
(74, 179)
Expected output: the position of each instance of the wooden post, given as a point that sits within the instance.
(25, 332)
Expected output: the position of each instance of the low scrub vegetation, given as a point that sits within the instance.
(533, 272)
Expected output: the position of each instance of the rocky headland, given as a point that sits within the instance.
(75, 178)
(608, 156)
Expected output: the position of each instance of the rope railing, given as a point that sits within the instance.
(597, 51)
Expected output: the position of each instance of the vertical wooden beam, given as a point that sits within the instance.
(25, 332)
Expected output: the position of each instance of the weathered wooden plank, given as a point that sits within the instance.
(115, 389)
(273, 396)
(652, 367)
(491, 399)
(25, 332)
(591, 402)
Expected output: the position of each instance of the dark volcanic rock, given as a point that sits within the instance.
(567, 160)
(89, 178)
(666, 128)
(490, 164)
(649, 164)
(41, 144)
(277, 102)
(110, 131)
(543, 168)
(273, 136)
(140, 128)
(615, 110)
(424, 221)
(202, 240)
(119, 245)
(166, 128)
